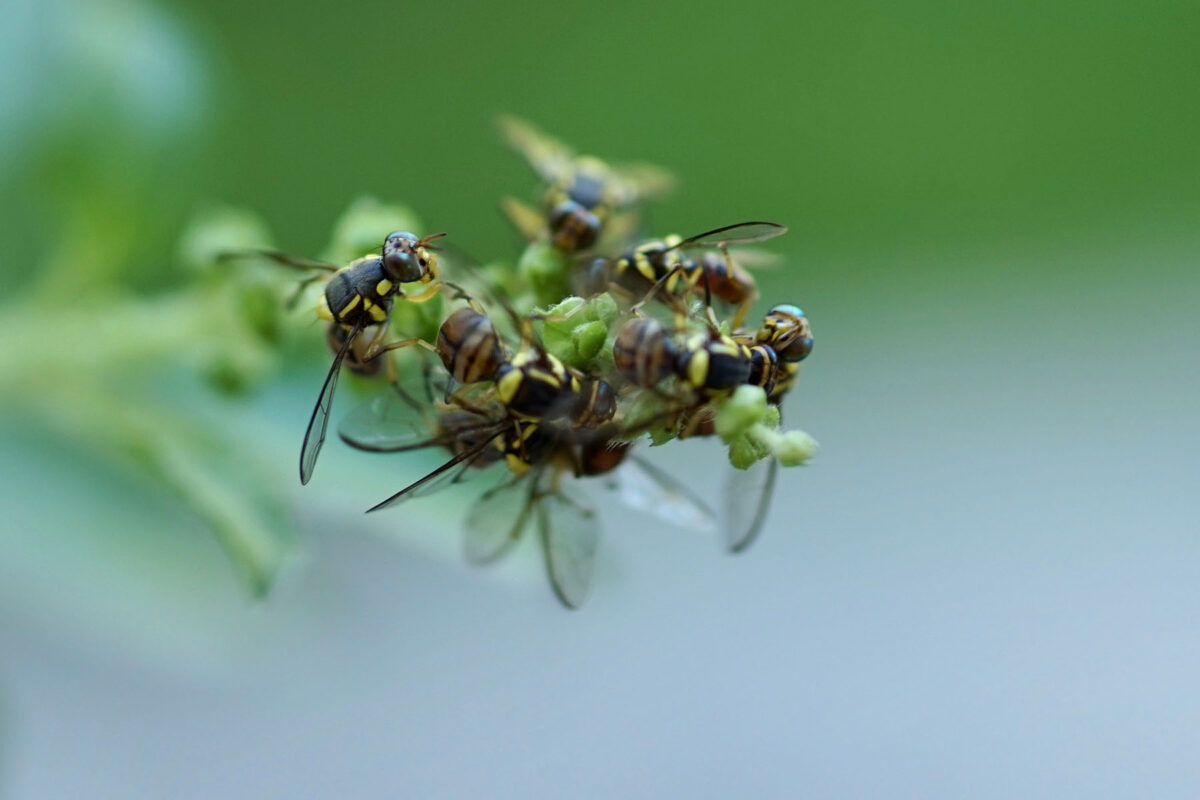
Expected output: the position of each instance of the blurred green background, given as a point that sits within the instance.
(984, 586)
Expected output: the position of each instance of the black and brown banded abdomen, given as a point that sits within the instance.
(643, 352)
(469, 346)
(596, 405)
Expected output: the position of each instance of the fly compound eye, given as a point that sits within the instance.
(403, 239)
(786, 310)
(798, 349)
(402, 266)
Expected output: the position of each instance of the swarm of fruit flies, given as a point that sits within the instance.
(630, 345)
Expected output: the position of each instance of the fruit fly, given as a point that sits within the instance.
(358, 299)
(666, 266)
(583, 193)
(707, 362)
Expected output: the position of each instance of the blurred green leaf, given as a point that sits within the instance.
(364, 225)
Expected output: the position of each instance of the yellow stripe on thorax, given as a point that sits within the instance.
(506, 387)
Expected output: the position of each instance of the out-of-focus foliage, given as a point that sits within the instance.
(101, 106)
(103, 389)
(99, 113)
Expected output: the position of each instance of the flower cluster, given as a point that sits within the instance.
(554, 371)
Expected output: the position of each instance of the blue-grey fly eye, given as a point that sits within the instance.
(401, 239)
(402, 266)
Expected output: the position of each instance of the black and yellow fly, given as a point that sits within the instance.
(665, 266)
(358, 299)
(583, 194)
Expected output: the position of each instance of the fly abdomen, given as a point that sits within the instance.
(643, 352)
(360, 290)
(469, 346)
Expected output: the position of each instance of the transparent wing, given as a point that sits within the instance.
(460, 474)
(620, 232)
(741, 233)
(757, 259)
(390, 422)
(570, 533)
(747, 500)
(448, 473)
(528, 221)
(641, 181)
(550, 158)
(497, 520)
(314, 435)
(647, 487)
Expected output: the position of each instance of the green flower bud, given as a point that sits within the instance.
(588, 339)
(602, 308)
(575, 330)
(567, 308)
(745, 408)
(793, 448)
(745, 450)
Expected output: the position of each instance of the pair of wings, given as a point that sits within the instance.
(738, 233)
(568, 531)
(746, 494)
(554, 162)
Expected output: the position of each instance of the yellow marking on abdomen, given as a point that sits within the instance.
(698, 368)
